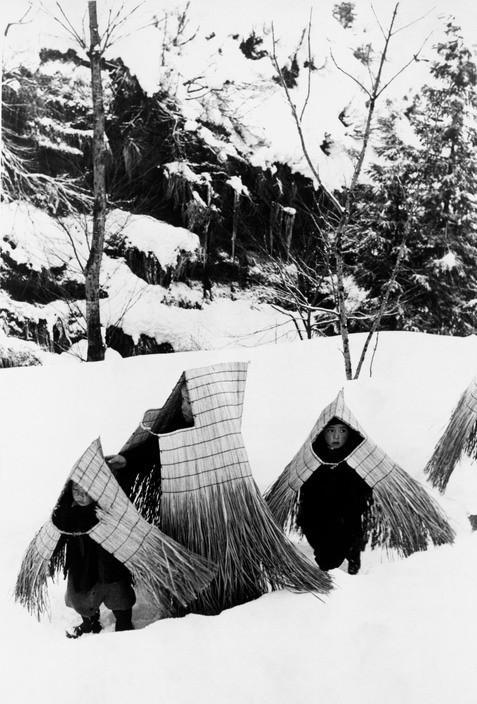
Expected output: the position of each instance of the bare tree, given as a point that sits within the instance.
(96, 49)
(339, 222)
(96, 346)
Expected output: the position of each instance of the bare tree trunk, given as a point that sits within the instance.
(93, 266)
(346, 213)
(384, 301)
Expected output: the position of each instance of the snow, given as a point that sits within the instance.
(448, 262)
(32, 237)
(198, 60)
(148, 234)
(399, 632)
(177, 314)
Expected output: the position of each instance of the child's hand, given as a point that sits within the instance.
(116, 461)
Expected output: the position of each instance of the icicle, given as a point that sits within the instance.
(235, 222)
(276, 216)
(288, 222)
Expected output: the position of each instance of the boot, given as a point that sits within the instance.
(89, 624)
(124, 620)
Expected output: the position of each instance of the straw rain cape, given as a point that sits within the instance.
(210, 501)
(403, 515)
(459, 438)
(160, 566)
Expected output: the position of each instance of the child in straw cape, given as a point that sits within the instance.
(198, 487)
(95, 576)
(139, 463)
(97, 535)
(326, 493)
(333, 500)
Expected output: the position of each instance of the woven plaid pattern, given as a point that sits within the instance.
(369, 461)
(94, 476)
(212, 452)
(46, 540)
(157, 563)
(459, 438)
(156, 419)
(210, 502)
(404, 516)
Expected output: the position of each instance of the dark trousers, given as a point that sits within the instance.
(335, 540)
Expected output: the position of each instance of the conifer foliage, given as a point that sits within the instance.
(262, 227)
(431, 179)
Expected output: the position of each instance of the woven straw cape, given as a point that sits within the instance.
(459, 438)
(162, 568)
(403, 515)
(210, 501)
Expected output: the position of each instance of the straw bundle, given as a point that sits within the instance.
(156, 562)
(37, 565)
(403, 515)
(210, 502)
(459, 437)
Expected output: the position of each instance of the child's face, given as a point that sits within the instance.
(80, 496)
(336, 435)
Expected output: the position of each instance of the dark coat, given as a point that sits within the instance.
(86, 562)
(331, 504)
(141, 479)
(144, 460)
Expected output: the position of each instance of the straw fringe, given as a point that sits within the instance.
(282, 500)
(43, 558)
(210, 502)
(459, 437)
(158, 563)
(403, 515)
(232, 527)
(165, 570)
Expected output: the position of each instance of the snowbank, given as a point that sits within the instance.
(398, 632)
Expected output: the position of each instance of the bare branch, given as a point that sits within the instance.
(296, 118)
(353, 78)
(308, 90)
(377, 19)
(22, 20)
(413, 22)
(67, 25)
(415, 58)
(116, 22)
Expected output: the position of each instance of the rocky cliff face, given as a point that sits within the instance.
(227, 214)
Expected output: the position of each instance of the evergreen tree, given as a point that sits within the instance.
(435, 184)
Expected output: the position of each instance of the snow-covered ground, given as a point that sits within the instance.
(400, 632)
(178, 314)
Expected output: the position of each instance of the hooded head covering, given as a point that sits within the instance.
(156, 562)
(403, 515)
(210, 502)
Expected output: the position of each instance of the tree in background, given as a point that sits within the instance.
(41, 143)
(96, 346)
(436, 178)
(335, 231)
